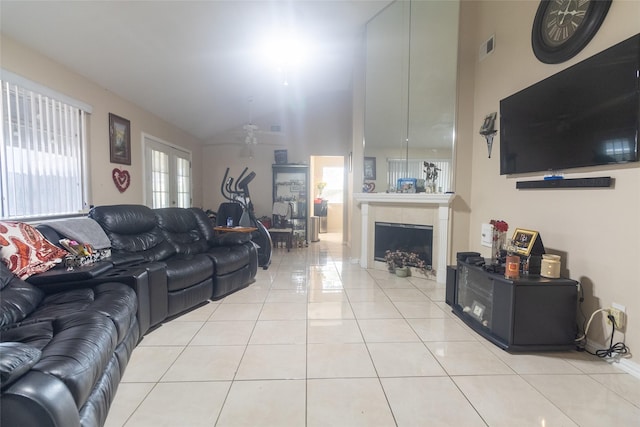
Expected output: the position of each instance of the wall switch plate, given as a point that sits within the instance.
(486, 235)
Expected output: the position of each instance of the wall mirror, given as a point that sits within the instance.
(410, 95)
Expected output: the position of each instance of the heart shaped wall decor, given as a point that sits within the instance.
(121, 179)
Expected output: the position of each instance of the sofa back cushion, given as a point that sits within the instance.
(18, 299)
(133, 229)
(181, 229)
(205, 224)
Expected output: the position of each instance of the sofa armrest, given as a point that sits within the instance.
(230, 239)
(38, 399)
(61, 274)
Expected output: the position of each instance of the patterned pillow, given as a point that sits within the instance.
(25, 251)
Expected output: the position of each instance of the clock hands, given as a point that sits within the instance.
(565, 13)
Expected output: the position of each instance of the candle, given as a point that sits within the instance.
(512, 267)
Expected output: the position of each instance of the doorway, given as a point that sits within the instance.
(327, 190)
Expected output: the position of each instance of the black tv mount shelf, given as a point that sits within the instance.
(601, 181)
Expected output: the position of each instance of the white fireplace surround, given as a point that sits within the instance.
(369, 202)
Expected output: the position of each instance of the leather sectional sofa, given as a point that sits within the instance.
(163, 262)
(62, 355)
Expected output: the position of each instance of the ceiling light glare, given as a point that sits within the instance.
(286, 50)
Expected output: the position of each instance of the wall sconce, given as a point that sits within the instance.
(488, 130)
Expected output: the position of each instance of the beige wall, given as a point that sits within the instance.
(25, 62)
(596, 230)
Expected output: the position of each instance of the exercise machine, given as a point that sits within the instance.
(240, 210)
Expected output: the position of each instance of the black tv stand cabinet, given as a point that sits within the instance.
(532, 313)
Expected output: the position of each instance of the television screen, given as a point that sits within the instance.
(586, 115)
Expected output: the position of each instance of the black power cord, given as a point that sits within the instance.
(617, 348)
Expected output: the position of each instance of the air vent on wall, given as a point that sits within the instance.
(487, 47)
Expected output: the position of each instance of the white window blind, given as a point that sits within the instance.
(414, 168)
(42, 163)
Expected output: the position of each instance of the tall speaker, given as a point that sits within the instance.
(450, 292)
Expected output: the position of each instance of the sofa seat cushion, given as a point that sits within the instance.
(228, 259)
(184, 271)
(82, 345)
(15, 360)
(117, 302)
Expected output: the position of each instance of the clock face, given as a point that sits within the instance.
(562, 19)
(562, 28)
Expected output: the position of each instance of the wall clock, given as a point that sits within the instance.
(562, 28)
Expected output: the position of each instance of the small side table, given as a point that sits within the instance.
(282, 235)
(234, 229)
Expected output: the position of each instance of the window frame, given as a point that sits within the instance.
(43, 93)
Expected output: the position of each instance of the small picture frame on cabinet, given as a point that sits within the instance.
(523, 240)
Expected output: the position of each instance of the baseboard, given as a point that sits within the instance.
(630, 367)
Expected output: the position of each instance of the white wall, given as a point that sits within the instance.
(597, 229)
(23, 61)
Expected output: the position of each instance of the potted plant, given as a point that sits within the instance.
(399, 262)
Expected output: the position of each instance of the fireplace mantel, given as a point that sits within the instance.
(404, 198)
(439, 201)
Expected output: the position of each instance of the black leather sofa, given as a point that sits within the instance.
(199, 264)
(66, 336)
(62, 354)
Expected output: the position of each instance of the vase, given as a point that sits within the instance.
(497, 243)
(403, 271)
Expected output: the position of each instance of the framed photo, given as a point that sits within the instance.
(119, 139)
(477, 310)
(369, 168)
(524, 240)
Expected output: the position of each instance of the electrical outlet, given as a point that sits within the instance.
(617, 312)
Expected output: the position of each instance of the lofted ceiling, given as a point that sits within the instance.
(195, 64)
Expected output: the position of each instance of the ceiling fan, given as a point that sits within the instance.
(251, 130)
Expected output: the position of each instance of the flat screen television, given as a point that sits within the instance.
(586, 115)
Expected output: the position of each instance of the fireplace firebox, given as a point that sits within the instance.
(404, 237)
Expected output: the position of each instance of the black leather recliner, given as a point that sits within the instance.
(191, 233)
(134, 232)
(62, 355)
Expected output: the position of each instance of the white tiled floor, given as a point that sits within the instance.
(317, 341)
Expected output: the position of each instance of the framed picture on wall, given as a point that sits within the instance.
(119, 139)
(369, 168)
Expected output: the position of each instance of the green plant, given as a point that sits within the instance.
(398, 259)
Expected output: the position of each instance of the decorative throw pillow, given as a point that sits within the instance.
(25, 251)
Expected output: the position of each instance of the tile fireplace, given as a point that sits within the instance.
(419, 209)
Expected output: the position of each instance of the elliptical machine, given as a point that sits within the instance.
(238, 195)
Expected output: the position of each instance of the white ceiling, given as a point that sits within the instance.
(193, 63)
